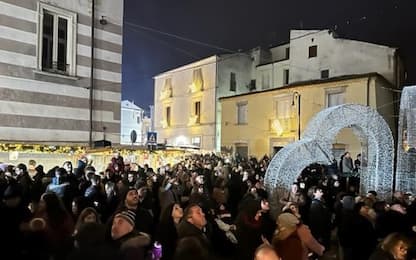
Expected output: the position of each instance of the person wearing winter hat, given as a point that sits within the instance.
(293, 240)
(131, 201)
(130, 243)
(287, 221)
(123, 223)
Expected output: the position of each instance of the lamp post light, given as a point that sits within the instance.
(297, 95)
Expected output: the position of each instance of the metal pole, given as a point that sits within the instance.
(298, 116)
(92, 72)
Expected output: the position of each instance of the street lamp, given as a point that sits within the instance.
(297, 95)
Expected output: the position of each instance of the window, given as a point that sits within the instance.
(233, 82)
(139, 120)
(167, 89)
(284, 112)
(287, 54)
(197, 81)
(324, 74)
(168, 116)
(57, 40)
(335, 98)
(313, 51)
(242, 113)
(196, 141)
(285, 76)
(284, 108)
(198, 112)
(252, 85)
(265, 80)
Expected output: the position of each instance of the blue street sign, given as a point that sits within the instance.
(152, 138)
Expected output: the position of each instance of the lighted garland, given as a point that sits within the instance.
(316, 147)
(36, 148)
(406, 153)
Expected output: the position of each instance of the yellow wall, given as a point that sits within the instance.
(258, 134)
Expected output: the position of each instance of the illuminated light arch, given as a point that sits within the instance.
(316, 147)
(406, 145)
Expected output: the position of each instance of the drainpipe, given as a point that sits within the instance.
(298, 116)
(92, 72)
(368, 90)
(216, 132)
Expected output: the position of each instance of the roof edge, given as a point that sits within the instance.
(314, 82)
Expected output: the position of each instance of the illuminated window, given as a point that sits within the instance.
(284, 112)
(196, 141)
(167, 89)
(197, 81)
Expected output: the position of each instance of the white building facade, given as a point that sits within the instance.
(321, 54)
(187, 110)
(184, 108)
(45, 71)
(132, 118)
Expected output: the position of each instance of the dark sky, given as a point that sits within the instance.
(243, 24)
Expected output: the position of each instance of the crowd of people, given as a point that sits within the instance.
(204, 207)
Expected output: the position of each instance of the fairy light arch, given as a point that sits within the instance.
(316, 147)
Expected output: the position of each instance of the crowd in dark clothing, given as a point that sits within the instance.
(204, 207)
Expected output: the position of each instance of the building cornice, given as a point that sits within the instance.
(313, 82)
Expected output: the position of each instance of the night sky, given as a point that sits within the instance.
(241, 24)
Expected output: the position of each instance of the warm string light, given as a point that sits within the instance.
(101, 157)
(316, 147)
(37, 148)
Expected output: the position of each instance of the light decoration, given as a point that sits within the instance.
(316, 147)
(164, 123)
(277, 127)
(192, 120)
(197, 81)
(38, 148)
(406, 147)
(193, 88)
(166, 93)
(167, 89)
(181, 140)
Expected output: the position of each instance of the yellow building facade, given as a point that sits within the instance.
(263, 122)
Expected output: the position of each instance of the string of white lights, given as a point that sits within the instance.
(406, 154)
(316, 147)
